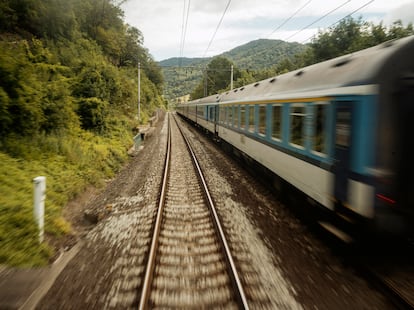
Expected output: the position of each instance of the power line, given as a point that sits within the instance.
(289, 18)
(320, 18)
(218, 26)
(184, 29)
(338, 21)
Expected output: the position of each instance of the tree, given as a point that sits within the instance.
(245, 77)
(348, 36)
(93, 112)
(340, 40)
(133, 52)
(216, 77)
(397, 30)
(378, 34)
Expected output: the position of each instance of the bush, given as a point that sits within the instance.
(70, 163)
(92, 112)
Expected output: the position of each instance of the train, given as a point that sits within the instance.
(338, 131)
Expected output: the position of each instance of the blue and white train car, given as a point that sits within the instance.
(201, 112)
(339, 131)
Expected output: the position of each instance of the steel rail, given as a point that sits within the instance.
(397, 297)
(241, 297)
(146, 289)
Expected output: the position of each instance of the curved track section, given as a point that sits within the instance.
(189, 263)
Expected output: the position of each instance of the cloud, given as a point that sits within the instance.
(161, 22)
(405, 13)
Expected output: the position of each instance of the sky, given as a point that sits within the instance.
(206, 28)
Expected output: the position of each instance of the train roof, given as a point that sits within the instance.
(372, 66)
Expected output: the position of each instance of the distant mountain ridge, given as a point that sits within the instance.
(184, 61)
(183, 74)
(262, 53)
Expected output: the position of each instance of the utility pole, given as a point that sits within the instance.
(231, 78)
(139, 91)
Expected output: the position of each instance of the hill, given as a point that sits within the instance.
(183, 74)
(262, 53)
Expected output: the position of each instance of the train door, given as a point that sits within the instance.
(216, 118)
(343, 149)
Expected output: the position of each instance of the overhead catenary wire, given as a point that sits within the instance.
(182, 30)
(290, 17)
(217, 28)
(317, 20)
(186, 13)
(338, 21)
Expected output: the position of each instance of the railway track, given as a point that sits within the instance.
(399, 292)
(189, 263)
(394, 277)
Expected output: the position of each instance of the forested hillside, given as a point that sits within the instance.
(263, 53)
(183, 74)
(68, 109)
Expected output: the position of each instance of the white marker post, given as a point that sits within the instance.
(39, 198)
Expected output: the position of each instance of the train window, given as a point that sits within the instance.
(222, 115)
(236, 116)
(251, 118)
(242, 116)
(200, 111)
(277, 122)
(297, 125)
(230, 116)
(343, 128)
(262, 120)
(211, 114)
(320, 114)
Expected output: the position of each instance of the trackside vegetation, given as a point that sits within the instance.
(68, 110)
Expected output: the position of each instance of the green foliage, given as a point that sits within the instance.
(35, 91)
(182, 81)
(93, 113)
(246, 77)
(351, 35)
(252, 57)
(16, 82)
(69, 164)
(47, 18)
(133, 40)
(97, 82)
(68, 106)
(5, 116)
(216, 77)
(263, 53)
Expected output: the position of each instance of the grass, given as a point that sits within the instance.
(70, 163)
